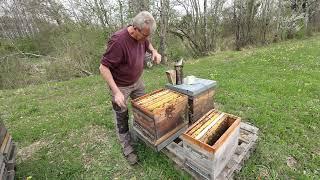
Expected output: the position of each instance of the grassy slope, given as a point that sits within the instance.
(277, 88)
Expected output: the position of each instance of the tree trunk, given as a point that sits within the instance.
(136, 6)
(163, 29)
(121, 13)
(306, 18)
(205, 26)
(100, 14)
(236, 19)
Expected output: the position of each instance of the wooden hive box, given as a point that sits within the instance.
(200, 97)
(160, 117)
(210, 143)
(200, 105)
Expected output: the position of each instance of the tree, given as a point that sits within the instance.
(165, 6)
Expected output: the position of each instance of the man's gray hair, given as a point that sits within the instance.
(144, 19)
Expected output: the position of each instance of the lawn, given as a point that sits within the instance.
(65, 130)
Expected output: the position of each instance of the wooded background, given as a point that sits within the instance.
(54, 40)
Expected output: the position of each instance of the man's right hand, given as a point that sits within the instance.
(119, 99)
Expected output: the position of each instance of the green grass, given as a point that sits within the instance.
(276, 88)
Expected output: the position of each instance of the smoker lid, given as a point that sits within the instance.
(199, 86)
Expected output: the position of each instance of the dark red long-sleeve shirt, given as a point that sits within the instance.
(125, 57)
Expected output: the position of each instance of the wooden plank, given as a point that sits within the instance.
(4, 143)
(198, 173)
(8, 147)
(8, 154)
(1, 159)
(11, 163)
(3, 132)
(13, 152)
(249, 128)
(175, 149)
(176, 159)
(2, 171)
(240, 148)
(2, 166)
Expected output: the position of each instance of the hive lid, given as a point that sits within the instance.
(199, 86)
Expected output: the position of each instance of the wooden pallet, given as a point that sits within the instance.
(246, 145)
(8, 152)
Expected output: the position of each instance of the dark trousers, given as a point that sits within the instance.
(122, 116)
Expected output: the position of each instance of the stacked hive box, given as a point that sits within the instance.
(210, 143)
(200, 96)
(160, 117)
(8, 152)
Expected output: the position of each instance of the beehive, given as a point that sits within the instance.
(160, 117)
(200, 96)
(200, 104)
(210, 142)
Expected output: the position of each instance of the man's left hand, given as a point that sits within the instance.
(156, 57)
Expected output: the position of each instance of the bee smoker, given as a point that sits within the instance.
(179, 72)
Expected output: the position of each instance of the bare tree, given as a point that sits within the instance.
(237, 23)
(136, 6)
(121, 4)
(205, 25)
(163, 29)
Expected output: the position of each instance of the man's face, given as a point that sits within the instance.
(142, 34)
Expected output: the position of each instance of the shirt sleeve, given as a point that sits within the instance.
(113, 56)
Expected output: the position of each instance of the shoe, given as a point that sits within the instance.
(132, 158)
(130, 155)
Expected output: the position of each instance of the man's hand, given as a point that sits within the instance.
(156, 57)
(119, 99)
